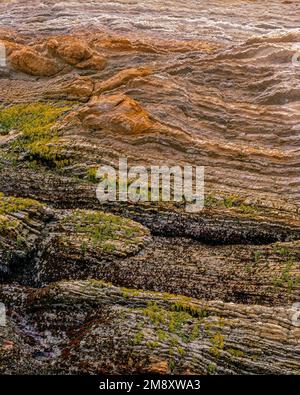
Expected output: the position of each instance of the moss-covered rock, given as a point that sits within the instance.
(109, 233)
(84, 243)
(92, 327)
(38, 134)
(21, 223)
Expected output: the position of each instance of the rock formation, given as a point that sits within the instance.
(129, 287)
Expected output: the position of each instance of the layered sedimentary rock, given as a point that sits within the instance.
(126, 287)
(164, 332)
(94, 327)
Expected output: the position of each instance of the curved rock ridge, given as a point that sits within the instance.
(49, 58)
(41, 245)
(235, 112)
(22, 222)
(135, 287)
(123, 330)
(226, 219)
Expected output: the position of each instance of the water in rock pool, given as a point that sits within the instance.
(144, 286)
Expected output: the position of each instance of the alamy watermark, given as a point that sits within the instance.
(296, 56)
(2, 315)
(2, 55)
(183, 184)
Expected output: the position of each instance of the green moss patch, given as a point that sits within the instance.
(108, 232)
(174, 320)
(39, 136)
(230, 201)
(7, 225)
(10, 204)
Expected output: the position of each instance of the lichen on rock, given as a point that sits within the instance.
(36, 123)
(107, 232)
(147, 287)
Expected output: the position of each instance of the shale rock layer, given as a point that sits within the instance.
(131, 287)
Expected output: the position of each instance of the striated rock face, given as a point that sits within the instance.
(94, 327)
(117, 113)
(22, 222)
(124, 287)
(53, 56)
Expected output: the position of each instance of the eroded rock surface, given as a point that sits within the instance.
(127, 287)
(94, 327)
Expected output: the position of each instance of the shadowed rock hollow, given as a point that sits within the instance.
(147, 287)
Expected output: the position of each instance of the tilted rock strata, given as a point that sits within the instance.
(94, 327)
(220, 94)
(47, 245)
(22, 223)
(53, 56)
(216, 123)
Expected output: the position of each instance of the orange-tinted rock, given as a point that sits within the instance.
(31, 62)
(77, 53)
(10, 46)
(151, 45)
(79, 88)
(96, 62)
(157, 366)
(71, 50)
(48, 58)
(118, 113)
(121, 78)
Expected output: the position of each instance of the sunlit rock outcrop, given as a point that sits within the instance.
(130, 287)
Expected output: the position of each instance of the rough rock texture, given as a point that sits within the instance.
(94, 327)
(22, 223)
(108, 288)
(53, 56)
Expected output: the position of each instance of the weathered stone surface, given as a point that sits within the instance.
(77, 88)
(22, 222)
(121, 78)
(90, 287)
(31, 62)
(117, 113)
(15, 355)
(94, 327)
(84, 244)
(48, 58)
